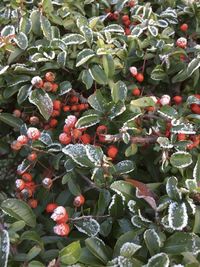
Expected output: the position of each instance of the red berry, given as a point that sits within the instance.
(101, 129)
(136, 92)
(17, 113)
(60, 215)
(32, 156)
(66, 108)
(127, 23)
(151, 108)
(23, 139)
(181, 137)
(33, 133)
(64, 139)
(57, 104)
(184, 27)
(195, 108)
(62, 229)
(127, 31)
(131, 3)
(33, 203)
(178, 99)
(112, 151)
(76, 134)
(125, 18)
(139, 77)
(79, 201)
(55, 113)
(63, 220)
(86, 139)
(27, 177)
(50, 76)
(74, 100)
(116, 15)
(74, 107)
(54, 87)
(53, 123)
(51, 207)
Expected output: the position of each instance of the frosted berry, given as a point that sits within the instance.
(62, 229)
(79, 201)
(65, 139)
(47, 86)
(34, 120)
(47, 183)
(50, 76)
(133, 71)
(32, 156)
(71, 121)
(59, 214)
(27, 177)
(16, 145)
(181, 42)
(20, 184)
(165, 100)
(33, 133)
(37, 82)
(23, 139)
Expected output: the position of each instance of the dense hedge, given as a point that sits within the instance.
(99, 133)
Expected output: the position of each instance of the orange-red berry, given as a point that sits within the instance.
(178, 99)
(33, 203)
(57, 104)
(181, 137)
(27, 177)
(53, 123)
(23, 139)
(136, 92)
(184, 27)
(86, 139)
(139, 77)
(51, 207)
(50, 76)
(17, 113)
(112, 151)
(65, 139)
(47, 86)
(32, 156)
(79, 201)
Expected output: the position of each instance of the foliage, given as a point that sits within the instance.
(125, 169)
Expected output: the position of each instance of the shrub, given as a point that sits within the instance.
(99, 123)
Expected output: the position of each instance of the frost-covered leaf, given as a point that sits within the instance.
(123, 188)
(3, 69)
(5, 248)
(23, 93)
(89, 227)
(98, 74)
(168, 112)
(83, 56)
(88, 121)
(19, 210)
(128, 249)
(43, 102)
(95, 154)
(45, 138)
(158, 260)
(158, 73)
(137, 31)
(124, 166)
(172, 189)
(181, 159)
(61, 58)
(139, 223)
(116, 109)
(71, 39)
(97, 101)
(119, 91)
(153, 30)
(116, 207)
(35, 21)
(25, 25)
(78, 154)
(108, 65)
(64, 87)
(114, 28)
(21, 40)
(38, 57)
(8, 30)
(143, 102)
(88, 34)
(86, 78)
(46, 27)
(196, 170)
(192, 66)
(152, 241)
(177, 216)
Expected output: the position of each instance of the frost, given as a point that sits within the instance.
(131, 206)
(192, 205)
(5, 247)
(3, 69)
(142, 217)
(73, 39)
(58, 213)
(114, 28)
(89, 227)
(35, 80)
(154, 261)
(196, 171)
(8, 30)
(95, 154)
(76, 152)
(128, 249)
(178, 217)
(152, 233)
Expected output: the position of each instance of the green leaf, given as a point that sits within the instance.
(196, 170)
(74, 188)
(116, 208)
(196, 227)
(88, 34)
(98, 74)
(181, 159)
(158, 260)
(114, 28)
(180, 76)
(33, 252)
(143, 102)
(8, 30)
(71, 253)
(97, 248)
(61, 59)
(33, 236)
(83, 56)
(46, 27)
(64, 87)
(177, 217)
(35, 264)
(11, 120)
(181, 242)
(108, 65)
(87, 257)
(124, 166)
(23, 93)
(168, 112)
(131, 150)
(87, 121)
(4, 248)
(19, 210)
(74, 38)
(89, 227)
(97, 101)
(47, 6)
(119, 91)
(152, 241)
(43, 102)
(25, 25)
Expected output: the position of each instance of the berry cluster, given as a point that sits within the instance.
(47, 83)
